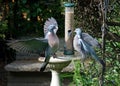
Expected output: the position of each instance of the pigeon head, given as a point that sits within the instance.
(52, 28)
(78, 31)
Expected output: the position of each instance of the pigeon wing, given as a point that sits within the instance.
(30, 46)
(90, 40)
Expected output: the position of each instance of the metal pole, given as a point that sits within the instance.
(104, 6)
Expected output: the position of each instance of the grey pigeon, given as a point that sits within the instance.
(84, 43)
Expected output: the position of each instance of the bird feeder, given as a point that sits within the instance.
(69, 24)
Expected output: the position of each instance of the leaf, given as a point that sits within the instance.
(24, 1)
(38, 10)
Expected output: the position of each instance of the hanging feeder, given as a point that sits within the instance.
(69, 25)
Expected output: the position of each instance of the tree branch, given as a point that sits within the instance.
(113, 36)
(113, 23)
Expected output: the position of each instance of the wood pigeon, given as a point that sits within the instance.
(84, 44)
(49, 44)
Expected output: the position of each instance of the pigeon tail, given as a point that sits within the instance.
(43, 66)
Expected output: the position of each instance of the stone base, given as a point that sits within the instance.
(33, 79)
(29, 79)
(27, 73)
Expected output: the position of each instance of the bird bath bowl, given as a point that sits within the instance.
(56, 65)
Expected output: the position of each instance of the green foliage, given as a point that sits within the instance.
(113, 12)
(31, 15)
(88, 16)
(89, 73)
(77, 76)
(86, 75)
(3, 28)
(112, 59)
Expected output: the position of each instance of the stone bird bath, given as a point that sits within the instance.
(56, 65)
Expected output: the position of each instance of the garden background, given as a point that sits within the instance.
(25, 18)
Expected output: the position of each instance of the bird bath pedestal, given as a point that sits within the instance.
(56, 65)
